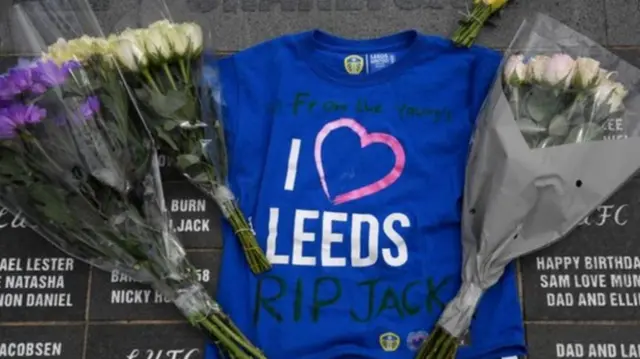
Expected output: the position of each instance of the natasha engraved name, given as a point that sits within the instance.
(32, 282)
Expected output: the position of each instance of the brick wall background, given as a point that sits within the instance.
(581, 298)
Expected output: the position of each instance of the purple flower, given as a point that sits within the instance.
(90, 108)
(21, 78)
(7, 89)
(49, 74)
(15, 116)
(69, 66)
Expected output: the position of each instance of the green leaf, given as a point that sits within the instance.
(169, 125)
(167, 139)
(201, 177)
(142, 94)
(51, 203)
(55, 214)
(185, 161)
(167, 105)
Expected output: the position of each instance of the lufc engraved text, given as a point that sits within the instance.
(192, 353)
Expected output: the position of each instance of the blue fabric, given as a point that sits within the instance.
(363, 224)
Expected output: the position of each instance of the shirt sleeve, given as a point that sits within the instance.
(486, 64)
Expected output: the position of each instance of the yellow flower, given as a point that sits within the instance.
(494, 4)
(60, 52)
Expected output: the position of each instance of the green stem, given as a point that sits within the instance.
(247, 346)
(228, 344)
(150, 80)
(167, 71)
(183, 70)
(466, 34)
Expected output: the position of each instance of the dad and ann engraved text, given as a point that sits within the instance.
(583, 341)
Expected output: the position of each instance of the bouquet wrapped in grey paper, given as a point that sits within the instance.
(557, 136)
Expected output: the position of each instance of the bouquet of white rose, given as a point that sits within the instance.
(560, 100)
(165, 69)
(540, 159)
(163, 66)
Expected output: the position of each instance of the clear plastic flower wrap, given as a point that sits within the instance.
(78, 162)
(177, 91)
(555, 139)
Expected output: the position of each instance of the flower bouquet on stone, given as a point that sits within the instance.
(77, 161)
(476, 19)
(551, 144)
(164, 67)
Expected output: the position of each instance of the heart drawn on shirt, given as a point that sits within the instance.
(366, 139)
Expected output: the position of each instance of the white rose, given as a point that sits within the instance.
(156, 44)
(560, 71)
(193, 32)
(604, 75)
(129, 54)
(162, 24)
(610, 92)
(587, 72)
(177, 40)
(536, 67)
(515, 70)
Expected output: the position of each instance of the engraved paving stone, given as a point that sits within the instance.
(117, 297)
(594, 274)
(167, 341)
(194, 217)
(53, 341)
(38, 282)
(583, 341)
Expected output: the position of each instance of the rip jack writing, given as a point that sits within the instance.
(307, 298)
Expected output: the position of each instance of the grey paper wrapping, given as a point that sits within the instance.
(519, 199)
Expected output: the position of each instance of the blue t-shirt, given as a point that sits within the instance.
(348, 157)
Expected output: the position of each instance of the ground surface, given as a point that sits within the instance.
(594, 313)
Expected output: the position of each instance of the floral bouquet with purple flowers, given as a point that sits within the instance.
(79, 163)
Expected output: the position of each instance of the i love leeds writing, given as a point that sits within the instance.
(345, 232)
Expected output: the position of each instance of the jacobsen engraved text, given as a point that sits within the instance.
(31, 349)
